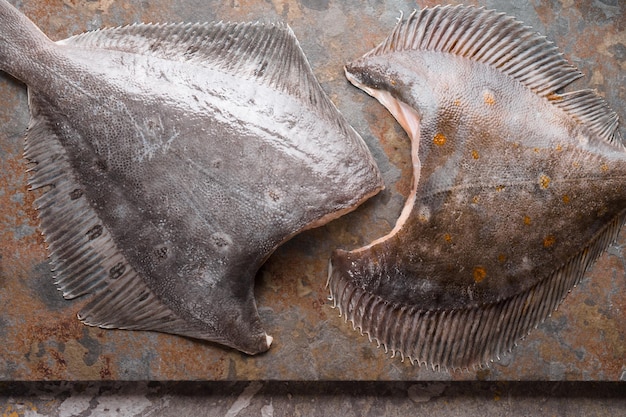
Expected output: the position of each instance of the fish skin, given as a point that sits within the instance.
(516, 189)
(175, 159)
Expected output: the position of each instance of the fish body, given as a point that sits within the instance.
(517, 188)
(175, 159)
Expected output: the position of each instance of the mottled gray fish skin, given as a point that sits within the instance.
(517, 188)
(175, 159)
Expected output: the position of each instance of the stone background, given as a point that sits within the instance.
(42, 339)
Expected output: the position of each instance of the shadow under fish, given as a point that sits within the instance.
(517, 188)
(175, 158)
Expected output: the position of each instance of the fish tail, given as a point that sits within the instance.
(20, 39)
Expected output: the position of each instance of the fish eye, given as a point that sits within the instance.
(368, 76)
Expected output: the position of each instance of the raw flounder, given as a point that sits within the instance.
(177, 157)
(517, 189)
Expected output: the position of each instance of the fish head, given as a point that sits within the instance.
(409, 98)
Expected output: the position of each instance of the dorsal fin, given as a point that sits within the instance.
(592, 111)
(268, 53)
(504, 43)
(488, 37)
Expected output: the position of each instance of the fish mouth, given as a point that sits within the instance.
(409, 119)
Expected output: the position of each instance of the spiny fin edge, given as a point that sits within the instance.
(268, 53)
(83, 255)
(463, 338)
(593, 112)
(504, 43)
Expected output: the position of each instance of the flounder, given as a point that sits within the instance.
(175, 158)
(517, 188)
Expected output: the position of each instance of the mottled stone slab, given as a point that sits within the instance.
(584, 340)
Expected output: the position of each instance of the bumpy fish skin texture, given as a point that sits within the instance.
(175, 159)
(517, 188)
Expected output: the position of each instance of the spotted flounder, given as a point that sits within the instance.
(517, 188)
(175, 158)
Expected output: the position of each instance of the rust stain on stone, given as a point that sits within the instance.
(395, 143)
(61, 330)
(105, 372)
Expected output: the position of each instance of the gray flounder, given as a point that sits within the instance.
(517, 189)
(175, 159)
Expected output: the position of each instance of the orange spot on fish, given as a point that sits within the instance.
(440, 139)
(489, 98)
(554, 97)
(447, 237)
(604, 167)
(475, 154)
(500, 188)
(548, 241)
(566, 199)
(527, 220)
(544, 181)
(501, 258)
(479, 274)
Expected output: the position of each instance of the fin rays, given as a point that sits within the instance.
(463, 338)
(268, 53)
(504, 43)
(83, 256)
(483, 36)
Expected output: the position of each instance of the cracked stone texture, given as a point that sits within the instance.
(312, 399)
(42, 339)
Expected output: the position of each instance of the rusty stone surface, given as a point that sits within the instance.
(42, 339)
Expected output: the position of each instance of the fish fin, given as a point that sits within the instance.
(268, 53)
(592, 111)
(127, 303)
(488, 37)
(77, 242)
(460, 338)
(83, 256)
(85, 259)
